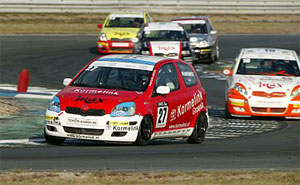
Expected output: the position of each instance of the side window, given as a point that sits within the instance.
(187, 74)
(209, 25)
(167, 76)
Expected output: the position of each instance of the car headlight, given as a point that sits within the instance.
(145, 52)
(123, 109)
(238, 87)
(55, 105)
(295, 92)
(203, 44)
(102, 37)
(185, 52)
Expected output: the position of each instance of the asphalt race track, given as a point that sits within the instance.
(52, 58)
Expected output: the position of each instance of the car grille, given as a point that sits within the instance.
(72, 130)
(89, 112)
(269, 95)
(268, 109)
(166, 55)
(122, 40)
(120, 49)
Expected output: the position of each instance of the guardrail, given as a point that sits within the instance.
(154, 6)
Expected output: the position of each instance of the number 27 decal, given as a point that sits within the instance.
(162, 114)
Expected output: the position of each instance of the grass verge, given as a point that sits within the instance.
(86, 23)
(20, 177)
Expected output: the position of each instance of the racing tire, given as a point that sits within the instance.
(145, 132)
(53, 140)
(226, 111)
(200, 129)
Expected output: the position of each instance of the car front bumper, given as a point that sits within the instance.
(203, 53)
(114, 47)
(242, 108)
(101, 128)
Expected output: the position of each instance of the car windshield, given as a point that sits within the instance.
(114, 78)
(268, 67)
(195, 28)
(125, 22)
(164, 35)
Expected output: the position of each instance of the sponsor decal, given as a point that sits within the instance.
(81, 121)
(121, 34)
(282, 79)
(122, 128)
(82, 136)
(173, 115)
(162, 114)
(166, 48)
(88, 100)
(270, 85)
(119, 123)
(181, 125)
(198, 108)
(195, 100)
(187, 73)
(103, 92)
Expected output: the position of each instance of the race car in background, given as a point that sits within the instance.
(129, 98)
(263, 82)
(164, 39)
(118, 31)
(203, 37)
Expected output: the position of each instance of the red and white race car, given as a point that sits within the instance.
(263, 82)
(129, 98)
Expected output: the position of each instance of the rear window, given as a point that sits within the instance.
(187, 74)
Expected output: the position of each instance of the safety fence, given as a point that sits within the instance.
(154, 6)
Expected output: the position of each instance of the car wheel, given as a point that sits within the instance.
(226, 111)
(145, 131)
(53, 140)
(199, 131)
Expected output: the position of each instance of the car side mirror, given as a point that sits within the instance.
(100, 26)
(227, 72)
(163, 90)
(213, 32)
(67, 81)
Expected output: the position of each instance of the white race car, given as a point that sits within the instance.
(263, 82)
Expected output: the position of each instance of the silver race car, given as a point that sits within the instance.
(203, 38)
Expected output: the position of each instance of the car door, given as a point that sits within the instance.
(167, 104)
(192, 95)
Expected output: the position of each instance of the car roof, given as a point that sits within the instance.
(163, 26)
(270, 53)
(127, 14)
(190, 18)
(137, 59)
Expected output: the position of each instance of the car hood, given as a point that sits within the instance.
(120, 33)
(267, 83)
(94, 98)
(199, 36)
(170, 49)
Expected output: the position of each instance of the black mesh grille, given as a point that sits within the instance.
(117, 39)
(89, 112)
(85, 131)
